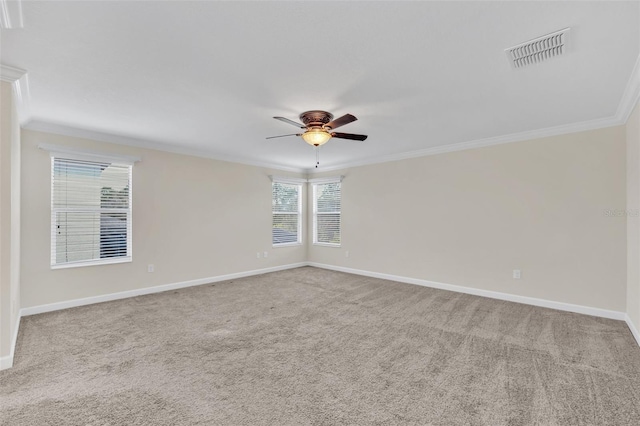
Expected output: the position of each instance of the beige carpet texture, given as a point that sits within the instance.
(309, 346)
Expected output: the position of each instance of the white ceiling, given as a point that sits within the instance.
(206, 77)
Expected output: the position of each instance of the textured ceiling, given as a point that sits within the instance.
(206, 77)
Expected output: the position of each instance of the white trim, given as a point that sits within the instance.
(624, 110)
(328, 245)
(5, 18)
(87, 154)
(628, 101)
(11, 74)
(633, 329)
(331, 179)
(7, 361)
(617, 120)
(601, 123)
(11, 14)
(58, 129)
(33, 310)
(285, 245)
(14, 339)
(20, 81)
(631, 94)
(94, 262)
(287, 179)
(480, 143)
(561, 306)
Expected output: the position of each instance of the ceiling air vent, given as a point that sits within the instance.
(539, 49)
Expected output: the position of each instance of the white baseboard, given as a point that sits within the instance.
(7, 361)
(587, 310)
(33, 310)
(632, 327)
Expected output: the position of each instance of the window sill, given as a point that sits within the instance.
(286, 245)
(92, 263)
(327, 245)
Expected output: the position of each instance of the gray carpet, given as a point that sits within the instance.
(314, 347)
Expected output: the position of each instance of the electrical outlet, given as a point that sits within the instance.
(346, 253)
(258, 255)
(151, 267)
(265, 254)
(516, 274)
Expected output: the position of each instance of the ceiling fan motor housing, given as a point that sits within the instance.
(316, 118)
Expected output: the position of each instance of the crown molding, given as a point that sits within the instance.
(19, 79)
(87, 154)
(11, 74)
(59, 129)
(630, 98)
(480, 143)
(631, 94)
(11, 14)
(329, 179)
(287, 179)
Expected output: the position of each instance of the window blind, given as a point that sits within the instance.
(90, 212)
(326, 213)
(287, 211)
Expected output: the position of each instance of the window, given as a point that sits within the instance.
(326, 212)
(287, 213)
(90, 212)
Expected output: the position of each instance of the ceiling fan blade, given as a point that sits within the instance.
(286, 120)
(350, 136)
(345, 119)
(282, 136)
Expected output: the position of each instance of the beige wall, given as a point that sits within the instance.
(633, 221)
(466, 218)
(469, 218)
(193, 218)
(9, 221)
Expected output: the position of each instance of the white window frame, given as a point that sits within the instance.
(298, 183)
(62, 152)
(315, 183)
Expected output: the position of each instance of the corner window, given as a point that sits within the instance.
(326, 213)
(90, 212)
(287, 213)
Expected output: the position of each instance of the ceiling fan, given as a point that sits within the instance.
(319, 126)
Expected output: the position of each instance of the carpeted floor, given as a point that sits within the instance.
(315, 347)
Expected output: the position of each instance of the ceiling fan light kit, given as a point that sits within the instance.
(316, 136)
